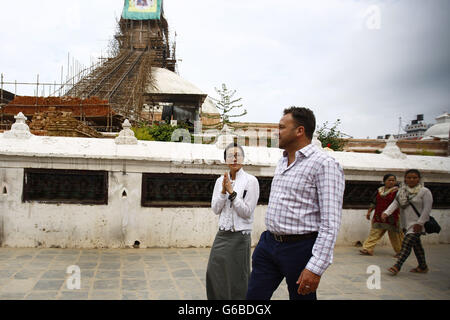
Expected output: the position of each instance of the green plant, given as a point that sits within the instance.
(161, 132)
(331, 137)
(142, 133)
(158, 132)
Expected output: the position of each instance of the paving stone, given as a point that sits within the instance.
(133, 274)
(133, 258)
(134, 284)
(18, 285)
(87, 273)
(176, 265)
(70, 252)
(106, 259)
(157, 285)
(105, 295)
(74, 295)
(6, 274)
(4, 282)
(201, 273)
(42, 295)
(48, 285)
(50, 251)
(89, 259)
(23, 257)
(65, 259)
(154, 264)
(193, 295)
(133, 265)
(157, 275)
(198, 264)
(390, 297)
(106, 284)
(327, 297)
(109, 266)
(55, 274)
(172, 258)
(28, 274)
(110, 253)
(85, 285)
(12, 295)
(106, 274)
(89, 253)
(44, 257)
(13, 266)
(62, 265)
(167, 295)
(151, 258)
(38, 265)
(183, 273)
(136, 295)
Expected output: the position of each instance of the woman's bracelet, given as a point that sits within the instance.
(232, 196)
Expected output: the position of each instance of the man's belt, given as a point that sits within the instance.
(294, 237)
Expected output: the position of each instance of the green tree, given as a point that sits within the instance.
(227, 106)
(331, 137)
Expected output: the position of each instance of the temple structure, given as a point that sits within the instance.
(139, 82)
(439, 131)
(141, 79)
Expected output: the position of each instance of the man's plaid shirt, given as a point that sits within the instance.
(307, 197)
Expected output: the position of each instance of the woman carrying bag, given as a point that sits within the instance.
(413, 199)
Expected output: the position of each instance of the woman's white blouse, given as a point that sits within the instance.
(236, 215)
(423, 202)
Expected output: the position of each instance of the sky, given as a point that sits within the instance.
(368, 63)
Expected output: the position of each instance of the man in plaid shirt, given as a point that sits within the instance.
(303, 216)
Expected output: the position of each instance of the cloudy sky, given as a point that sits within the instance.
(367, 63)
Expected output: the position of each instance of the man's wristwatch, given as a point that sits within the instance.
(232, 196)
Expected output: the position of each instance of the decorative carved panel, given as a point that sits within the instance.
(358, 194)
(441, 195)
(65, 186)
(265, 185)
(173, 190)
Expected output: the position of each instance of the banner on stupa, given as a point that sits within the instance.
(142, 10)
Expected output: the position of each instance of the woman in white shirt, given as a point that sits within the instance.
(411, 197)
(235, 197)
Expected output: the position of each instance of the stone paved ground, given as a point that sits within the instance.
(173, 274)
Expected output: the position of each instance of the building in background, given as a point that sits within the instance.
(415, 130)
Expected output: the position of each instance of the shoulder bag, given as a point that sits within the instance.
(431, 226)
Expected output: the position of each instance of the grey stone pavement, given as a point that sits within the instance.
(179, 274)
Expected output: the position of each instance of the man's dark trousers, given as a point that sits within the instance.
(272, 261)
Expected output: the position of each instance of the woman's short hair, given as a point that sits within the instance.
(233, 145)
(413, 171)
(387, 176)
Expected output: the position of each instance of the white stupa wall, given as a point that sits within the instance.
(32, 224)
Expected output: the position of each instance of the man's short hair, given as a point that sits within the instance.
(303, 117)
